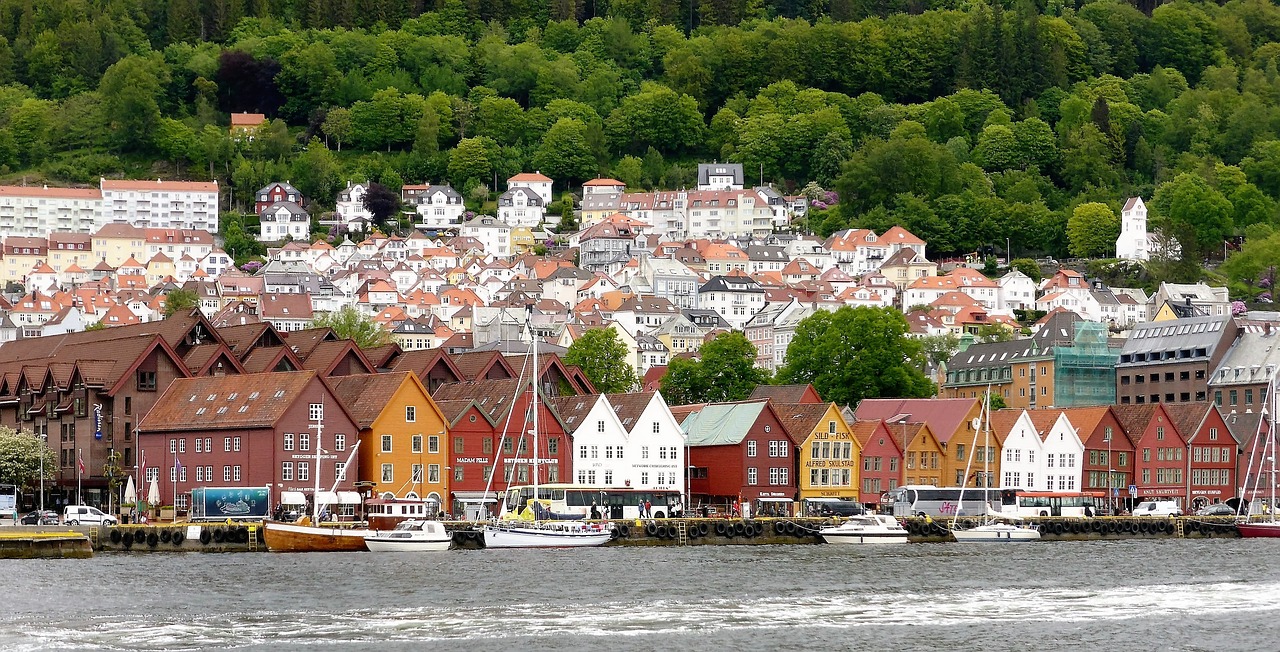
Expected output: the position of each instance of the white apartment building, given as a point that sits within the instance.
(37, 211)
(493, 234)
(521, 206)
(438, 207)
(722, 213)
(536, 181)
(161, 204)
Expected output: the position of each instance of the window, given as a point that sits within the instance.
(316, 412)
(235, 473)
(1160, 429)
(410, 414)
(340, 470)
(288, 441)
(773, 475)
(199, 474)
(198, 447)
(386, 444)
(304, 471)
(286, 470)
(486, 445)
(146, 381)
(752, 475)
(226, 444)
(433, 444)
(304, 441)
(644, 452)
(339, 442)
(415, 473)
(388, 474)
(457, 445)
(433, 473)
(751, 450)
(457, 473)
(415, 444)
(226, 473)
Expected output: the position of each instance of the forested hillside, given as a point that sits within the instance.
(968, 122)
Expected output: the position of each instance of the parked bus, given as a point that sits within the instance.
(614, 502)
(1053, 503)
(928, 500)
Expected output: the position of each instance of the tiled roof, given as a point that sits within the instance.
(365, 395)
(224, 402)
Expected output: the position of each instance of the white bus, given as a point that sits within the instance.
(576, 500)
(928, 500)
(1054, 503)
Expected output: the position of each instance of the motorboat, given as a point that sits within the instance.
(411, 536)
(304, 537)
(869, 528)
(996, 531)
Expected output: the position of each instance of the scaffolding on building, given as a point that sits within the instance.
(1084, 373)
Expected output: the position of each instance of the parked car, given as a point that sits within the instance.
(36, 517)
(81, 514)
(1216, 509)
(1157, 508)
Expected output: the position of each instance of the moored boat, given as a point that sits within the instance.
(1259, 530)
(997, 532)
(870, 528)
(411, 536)
(1269, 527)
(510, 534)
(300, 537)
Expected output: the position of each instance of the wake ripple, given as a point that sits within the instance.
(537, 620)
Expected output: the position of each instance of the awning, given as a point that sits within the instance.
(474, 497)
(826, 499)
(348, 498)
(774, 500)
(292, 498)
(327, 498)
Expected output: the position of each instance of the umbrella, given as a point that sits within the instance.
(130, 493)
(153, 494)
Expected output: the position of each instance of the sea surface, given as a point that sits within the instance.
(1114, 595)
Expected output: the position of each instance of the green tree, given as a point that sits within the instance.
(1029, 267)
(857, 353)
(1197, 212)
(939, 348)
(20, 454)
(725, 371)
(180, 301)
(564, 153)
(131, 90)
(350, 324)
(470, 160)
(382, 202)
(1092, 230)
(338, 126)
(603, 358)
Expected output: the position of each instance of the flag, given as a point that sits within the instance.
(142, 464)
(80, 461)
(177, 466)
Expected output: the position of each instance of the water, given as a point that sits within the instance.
(1126, 595)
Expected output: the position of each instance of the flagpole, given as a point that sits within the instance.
(176, 465)
(79, 472)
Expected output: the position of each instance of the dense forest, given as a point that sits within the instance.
(968, 122)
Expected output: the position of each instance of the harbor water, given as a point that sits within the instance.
(1128, 595)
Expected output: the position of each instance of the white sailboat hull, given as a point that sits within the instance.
(378, 544)
(863, 538)
(528, 536)
(998, 532)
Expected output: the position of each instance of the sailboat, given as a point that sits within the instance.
(989, 529)
(533, 531)
(308, 535)
(1269, 527)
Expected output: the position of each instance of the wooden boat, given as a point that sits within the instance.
(1268, 527)
(303, 537)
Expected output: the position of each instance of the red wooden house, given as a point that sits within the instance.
(882, 467)
(488, 423)
(1160, 466)
(256, 430)
(740, 452)
(1107, 450)
(1211, 469)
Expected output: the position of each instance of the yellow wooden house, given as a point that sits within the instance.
(404, 443)
(829, 452)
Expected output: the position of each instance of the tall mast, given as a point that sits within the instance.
(315, 502)
(533, 387)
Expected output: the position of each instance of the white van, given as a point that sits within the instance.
(80, 514)
(1157, 508)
